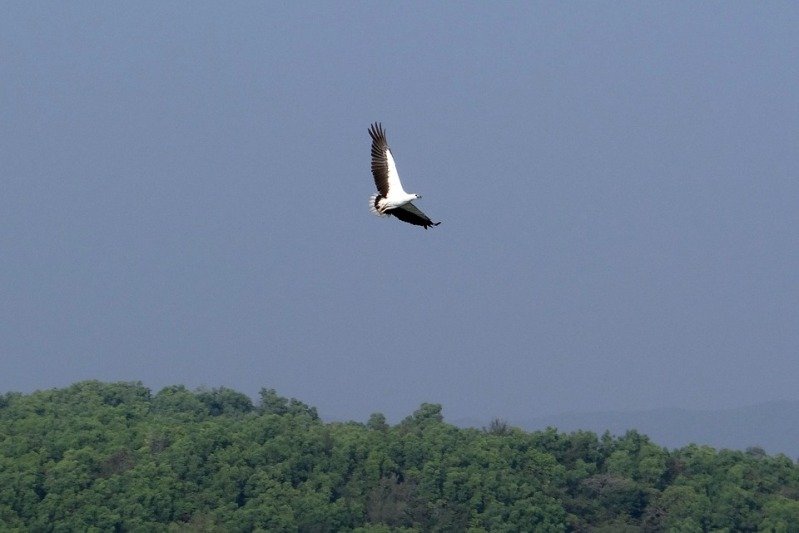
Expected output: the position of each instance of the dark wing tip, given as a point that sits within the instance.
(376, 131)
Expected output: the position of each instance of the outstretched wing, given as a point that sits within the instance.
(412, 215)
(384, 170)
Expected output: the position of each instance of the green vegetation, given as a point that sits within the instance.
(114, 457)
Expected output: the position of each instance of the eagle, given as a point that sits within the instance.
(391, 198)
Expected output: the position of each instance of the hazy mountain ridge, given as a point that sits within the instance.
(773, 426)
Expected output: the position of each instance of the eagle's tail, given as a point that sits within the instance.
(375, 203)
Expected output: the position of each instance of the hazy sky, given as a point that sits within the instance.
(184, 185)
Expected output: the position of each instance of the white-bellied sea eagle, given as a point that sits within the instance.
(391, 198)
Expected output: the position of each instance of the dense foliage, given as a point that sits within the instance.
(110, 457)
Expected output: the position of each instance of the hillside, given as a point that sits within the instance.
(119, 457)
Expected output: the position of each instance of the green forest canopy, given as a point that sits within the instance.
(114, 456)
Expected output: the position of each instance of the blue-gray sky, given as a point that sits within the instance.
(184, 200)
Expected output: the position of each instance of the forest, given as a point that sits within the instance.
(117, 457)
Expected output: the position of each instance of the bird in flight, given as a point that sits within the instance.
(391, 198)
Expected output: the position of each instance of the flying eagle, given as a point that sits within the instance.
(391, 198)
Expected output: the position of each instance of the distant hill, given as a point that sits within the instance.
(773, 426)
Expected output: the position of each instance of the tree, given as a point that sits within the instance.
(224, 401)
(377, 422)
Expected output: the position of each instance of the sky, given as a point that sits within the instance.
(184, 188)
